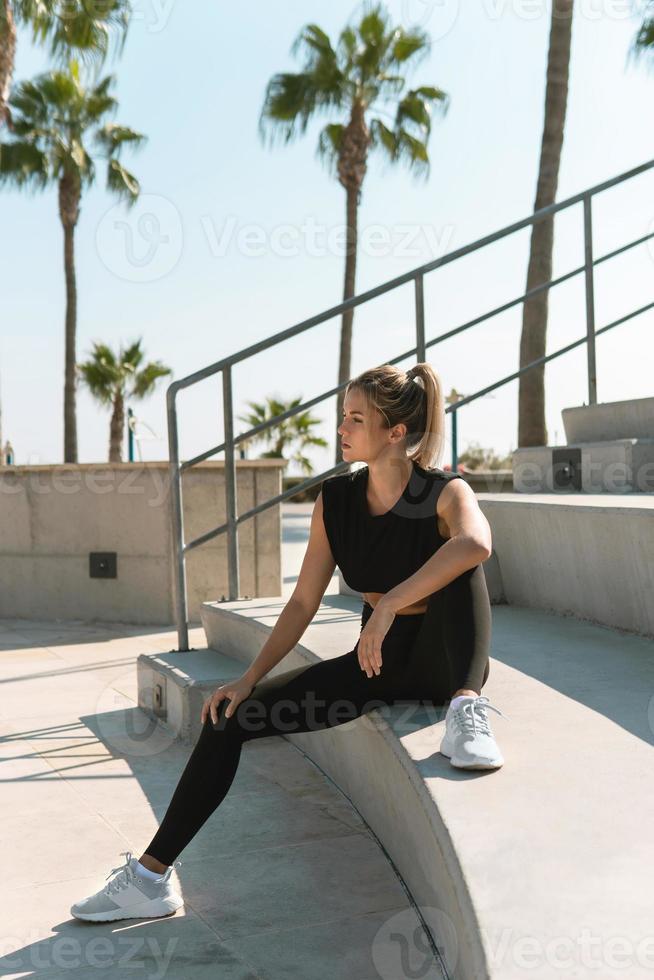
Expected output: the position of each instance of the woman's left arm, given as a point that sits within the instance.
(469, 544)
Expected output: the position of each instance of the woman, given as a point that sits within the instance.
(411, 538)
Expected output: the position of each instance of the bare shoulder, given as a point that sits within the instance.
(458, 512)
(455, 492)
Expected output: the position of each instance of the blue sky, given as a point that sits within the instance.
(245, 239)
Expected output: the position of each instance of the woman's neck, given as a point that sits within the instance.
(388, 478)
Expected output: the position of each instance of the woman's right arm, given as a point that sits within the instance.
(317, 569)
(316, 572)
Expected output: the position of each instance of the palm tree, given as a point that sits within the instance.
(296, 428)
(55, 113)
(532, 429)
(78, 26)
(114, 378)
(642, 44)
(353, 78)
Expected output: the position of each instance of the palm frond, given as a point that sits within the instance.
(642, 44)
(23, 165)
(416, 107)
(347, 49)
(59, 90)
(413, 152)
(132, 355)
(373, 26)
(100, 372)
(28, 99)
(383, 138)
(376, 39)
(84, 27)
(329, 145)
(413, 44)
(146, 379)
(122, 182)
(112, 136)
(291, 99)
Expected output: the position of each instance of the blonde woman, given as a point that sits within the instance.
(412, 539)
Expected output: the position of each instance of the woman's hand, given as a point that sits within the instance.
(371, 637)
(236, 691)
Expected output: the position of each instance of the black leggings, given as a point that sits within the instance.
(425, 657)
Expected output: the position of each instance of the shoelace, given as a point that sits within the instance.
(471, 716)
(124, 874)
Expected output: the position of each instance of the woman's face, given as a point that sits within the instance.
(363, 431)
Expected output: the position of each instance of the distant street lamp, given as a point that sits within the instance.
(451, 399)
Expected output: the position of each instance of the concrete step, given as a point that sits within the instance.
(616, 466)
(548, 853)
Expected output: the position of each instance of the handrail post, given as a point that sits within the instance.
(230, 487)
(177, 520)
(421, 353)
(590, 301)
(455, 451)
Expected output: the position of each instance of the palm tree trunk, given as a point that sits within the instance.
(532, 429)
(69, 196)
(352, 165)
(116, 429)
(345, 355)
(7, 57)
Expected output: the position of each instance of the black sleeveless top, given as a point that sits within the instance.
(377, 552)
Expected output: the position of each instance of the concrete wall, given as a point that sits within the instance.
(591, 556)
(607, 421)
(53, 516)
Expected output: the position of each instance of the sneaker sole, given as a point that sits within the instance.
(476, 765)
(154, 909)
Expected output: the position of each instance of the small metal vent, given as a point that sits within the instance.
(102, 564)
(566, 469)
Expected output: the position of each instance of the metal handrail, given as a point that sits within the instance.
(416, 275)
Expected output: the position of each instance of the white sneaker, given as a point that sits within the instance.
(128, 896)
(468, 741)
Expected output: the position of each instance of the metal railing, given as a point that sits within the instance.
(176, 468)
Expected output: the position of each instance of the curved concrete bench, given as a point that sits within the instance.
(380, 762)
(536, 869)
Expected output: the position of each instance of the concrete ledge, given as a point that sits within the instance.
(588, 555)
(619, 467)
(513, 870)
(632, 418)
(396, 803)
(371, 764)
